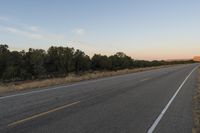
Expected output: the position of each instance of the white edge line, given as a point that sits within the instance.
(63, 86)
(44, 90)
(152, 128)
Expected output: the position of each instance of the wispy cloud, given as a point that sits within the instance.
(39, 34)
(29, 31)
(79, 31)
(22, 32)
(33, 28)
(32, 33)
(3, 18)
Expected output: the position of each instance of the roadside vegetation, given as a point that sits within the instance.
(196, 107)
(61, 61)
(30, 84)
(58, 65)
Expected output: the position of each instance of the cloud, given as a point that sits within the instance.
(33, 34)
(3, 18)
(10, 29)
(79, 31)
(22, 32)
(34, 28)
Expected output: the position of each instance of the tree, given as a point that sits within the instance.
(59, 60)
(121, 61)
(14, 67)
(81, 61)
(4, 54)
(100, 62)
(34, 60)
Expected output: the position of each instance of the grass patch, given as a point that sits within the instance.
(196, 107)
(33, 84)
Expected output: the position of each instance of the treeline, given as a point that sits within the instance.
(60, 61)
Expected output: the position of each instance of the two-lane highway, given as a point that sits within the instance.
(152, 101)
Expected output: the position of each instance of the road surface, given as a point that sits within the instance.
(157, 101)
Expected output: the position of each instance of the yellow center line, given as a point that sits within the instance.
(144, 79)
(42, 114)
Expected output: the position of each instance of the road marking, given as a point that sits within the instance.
(145, 79)
(69, 85)
(41, 114)
(60, 87)
(152, 128)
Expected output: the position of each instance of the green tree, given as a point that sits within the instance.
(121, 61)
(14, 66)
(4, 55)
(60, 60)
(34, 60)
(81, 61)
(101, 62)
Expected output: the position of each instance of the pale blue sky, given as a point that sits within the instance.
(144, 29)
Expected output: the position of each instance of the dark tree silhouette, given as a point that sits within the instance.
(60, 61)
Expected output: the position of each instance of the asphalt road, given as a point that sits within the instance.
(157, 101)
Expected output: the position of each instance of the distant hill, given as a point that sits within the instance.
(169, 60)
(196, 58)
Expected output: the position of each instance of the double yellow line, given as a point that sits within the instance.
(41, 114)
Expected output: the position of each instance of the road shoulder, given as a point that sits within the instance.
(196, 106)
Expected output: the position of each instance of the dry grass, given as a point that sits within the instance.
(69, 79)
(196, 107)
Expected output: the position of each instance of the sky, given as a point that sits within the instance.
(143, 29)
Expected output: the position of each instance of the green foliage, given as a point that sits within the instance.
(100, 62)
(34, 62)
(60, 61)
(121, 61)
(4, 54)
(81, 61)
(14, 67)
